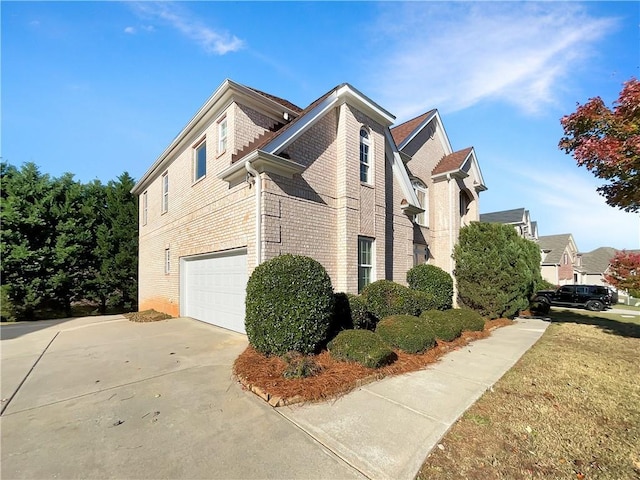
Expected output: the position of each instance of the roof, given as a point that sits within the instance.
(515, 215)
(281, 101)
(598, 260)
(452, 162)
(402, 131)
(555, 245)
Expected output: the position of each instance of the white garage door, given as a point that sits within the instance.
(213, 288)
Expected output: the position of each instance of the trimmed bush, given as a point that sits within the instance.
(360, 316)
(423, 301)
(442, 324)
(384, 298)
(289, 305)
(361, 346)
(469, 320)
(433, 280)
(406, 332)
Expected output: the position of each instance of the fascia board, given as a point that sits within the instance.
(440, 131)
(263, 162)
(368, 106)
(475, 168)
(400, 172)
(413, 134)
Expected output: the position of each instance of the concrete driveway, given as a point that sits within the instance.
(102, 397)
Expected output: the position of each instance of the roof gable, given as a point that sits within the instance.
(516, 215)
(598, 260)
(555, 246)
(462, 164)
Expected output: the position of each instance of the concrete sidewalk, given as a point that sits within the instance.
(386, 429)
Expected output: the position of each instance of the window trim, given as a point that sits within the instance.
(370, 266)
(202, 144)
(420, 187)
(366, 141)
(145, 208)
(223, 141)
(165, 192)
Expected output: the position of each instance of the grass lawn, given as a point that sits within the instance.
(570, 408)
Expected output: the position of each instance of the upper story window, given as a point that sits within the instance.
(365, 156)
(145, 206)
(165, 192)
(222, 135)
(423, 198)
(200, 161)
(565, 258)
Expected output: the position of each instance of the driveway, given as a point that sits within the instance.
(102, 397)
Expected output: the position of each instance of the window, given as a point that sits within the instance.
(167, 260)
(565, 258)
(420, 254)
(365, 262)
(200, 162)
(165, 192)
(144, 208)
(423, 200)
(222, 135)
(365, 156)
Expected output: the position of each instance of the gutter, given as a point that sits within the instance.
(258, 183)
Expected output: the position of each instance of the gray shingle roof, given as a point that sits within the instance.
(506, 216)
(555, 244)
(597, 260)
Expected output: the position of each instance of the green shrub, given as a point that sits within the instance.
(469, 320)
(384, 298)
(444, 326)
(289, 305)
(496, 270)
(433, 280)
(406, 332)
(361, 346)
(360, 316)
(341, 316)
(423, 301)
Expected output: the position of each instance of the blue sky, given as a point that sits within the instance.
(97, 88)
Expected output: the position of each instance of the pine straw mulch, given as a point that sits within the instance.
(147, 316)
(264, 375)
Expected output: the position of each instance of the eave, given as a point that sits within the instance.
(263, 162)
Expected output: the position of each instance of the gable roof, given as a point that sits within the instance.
(515, 215)
(598, 260)
(402, 131)
(460, 164)
(281, 101)
(555, 246)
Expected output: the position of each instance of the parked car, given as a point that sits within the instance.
(591, 297)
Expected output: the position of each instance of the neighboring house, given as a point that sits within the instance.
(591, 267)
(558, 255)
(253, 176)
(518, 217)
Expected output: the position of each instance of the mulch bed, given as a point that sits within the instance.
(264, 375)
(147, 316)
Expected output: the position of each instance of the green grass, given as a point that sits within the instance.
(568, 409)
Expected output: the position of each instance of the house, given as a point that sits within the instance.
(558, 255)
(518, 217)
(252, 176)
(591, 267)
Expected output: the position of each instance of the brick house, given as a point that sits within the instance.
(253, 176)
(559, 254)
(518, 217)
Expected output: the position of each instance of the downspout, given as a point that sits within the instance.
(258, 183)
(451, 261)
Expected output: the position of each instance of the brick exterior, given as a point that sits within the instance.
(320, 212)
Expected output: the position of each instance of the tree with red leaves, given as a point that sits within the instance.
(607, 142)
(624, 271)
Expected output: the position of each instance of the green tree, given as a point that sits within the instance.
(117, 246)
(496, 270)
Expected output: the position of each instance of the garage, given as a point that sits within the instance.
(212, 288)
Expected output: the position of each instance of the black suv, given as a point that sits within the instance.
(592, 297)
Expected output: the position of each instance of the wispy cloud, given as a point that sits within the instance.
(454, 55)
(577, 208)
(182, 20)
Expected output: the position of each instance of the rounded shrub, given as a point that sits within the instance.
(384, 298)
(406, 332)
(360, 316)
(289, 305)
(361, 346)
(433, 280)
(443, 325)
(423, 301)
(469, 320)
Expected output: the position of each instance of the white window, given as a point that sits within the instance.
(165, 192)
(423, 200)
(167, 260)
(200, 161)
(222, 135)
(365, 156)
(145, 205)
(365, 262)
